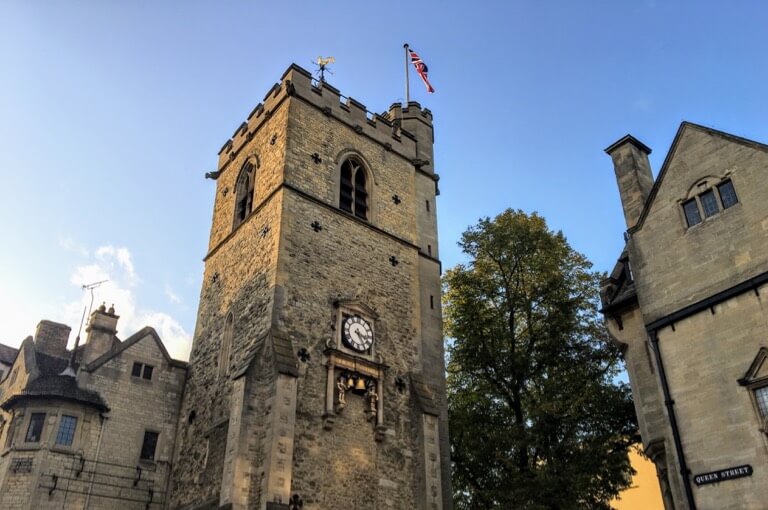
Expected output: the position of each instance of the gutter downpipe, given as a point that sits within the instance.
(670, 404)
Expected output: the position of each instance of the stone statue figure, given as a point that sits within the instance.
(372, 397)
(341, 384)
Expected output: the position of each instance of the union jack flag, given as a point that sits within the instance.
(422, 69)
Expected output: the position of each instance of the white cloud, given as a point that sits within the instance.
(115, 265)
(172, 296)
(69, 244)
(120, 259)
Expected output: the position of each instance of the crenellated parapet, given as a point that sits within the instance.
(405, 131)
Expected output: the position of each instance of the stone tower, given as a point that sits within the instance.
(317, 371)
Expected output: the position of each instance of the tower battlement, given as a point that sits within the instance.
(399, 130)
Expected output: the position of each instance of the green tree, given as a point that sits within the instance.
(537, 417)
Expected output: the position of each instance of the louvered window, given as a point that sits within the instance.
(353, 189)
(244, 193)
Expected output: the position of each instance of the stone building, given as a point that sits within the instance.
(91, 428)
(316, 377)
(686, 302)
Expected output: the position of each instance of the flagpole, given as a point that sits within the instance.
(407, 80)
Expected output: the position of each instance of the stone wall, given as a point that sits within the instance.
(44, 474)
(707, 351)
(281, 273)
(137, 405)
(720, 251)
(239, 279)
(313, 276)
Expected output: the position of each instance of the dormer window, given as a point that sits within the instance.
(353, 190)
(709, 202)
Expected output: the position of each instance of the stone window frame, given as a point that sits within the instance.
(752, 381)
(10, 428)
(700, 188)
(370, 180)
(78, 430)
(154, 460)
(33, 415)
(250, 166)
(143, 371)
(21, 428)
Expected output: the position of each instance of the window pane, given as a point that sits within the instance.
(708, 203)
(136, 371)
(692, 215)
(35, 429)
(761, 395)
(149, 445)
(727, 194)
(66, 432)
(147, 372)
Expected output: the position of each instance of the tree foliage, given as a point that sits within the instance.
(537, 418)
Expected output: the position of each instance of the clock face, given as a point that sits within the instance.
(357, 333)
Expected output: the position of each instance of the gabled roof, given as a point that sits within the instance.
(670, 155)
(756, 372)
(130, 341)
(8, 354)
(283, 357)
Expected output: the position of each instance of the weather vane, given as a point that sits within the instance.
(322, 66)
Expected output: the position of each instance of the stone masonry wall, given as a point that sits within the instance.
(715, 254)
(238, 278)
(277, 273)
(137, 405)
(313, 275)
(705, 355)
(27, 471)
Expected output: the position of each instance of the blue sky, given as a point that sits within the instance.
(110, 114)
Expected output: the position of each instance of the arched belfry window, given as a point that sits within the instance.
(353, 189)
(226, 345)
(244, 192)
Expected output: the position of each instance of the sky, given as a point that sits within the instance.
(112, 112)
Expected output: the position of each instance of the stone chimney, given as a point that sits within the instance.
(633, 175)
(51, 338)
(102, 328)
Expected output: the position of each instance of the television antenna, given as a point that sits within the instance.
(90, 287)
(70, 370)
(322, 66)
